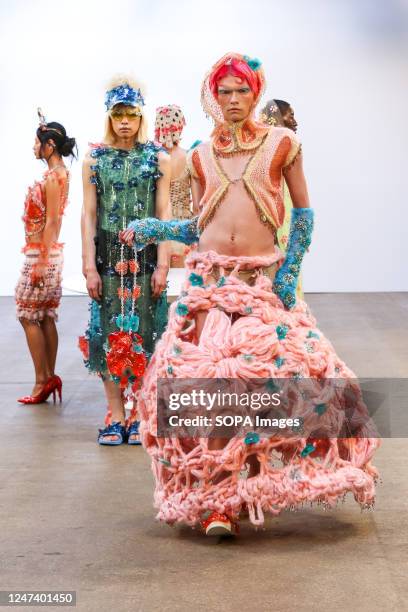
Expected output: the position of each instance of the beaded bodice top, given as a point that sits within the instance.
(180, 196)
(260, 174)
(125, 183)
(35, 204)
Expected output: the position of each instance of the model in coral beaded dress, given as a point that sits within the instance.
(238, 318)
(38, 291)
(169, 127)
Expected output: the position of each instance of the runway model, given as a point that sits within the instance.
(169, 126)
(126, 177)
(238, 318)
(38, 291)
(281, 113)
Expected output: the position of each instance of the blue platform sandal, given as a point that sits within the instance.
(114, 429)
(133, 430)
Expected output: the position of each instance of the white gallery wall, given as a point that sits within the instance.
(342, 64)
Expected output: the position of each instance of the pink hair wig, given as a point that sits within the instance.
(238, 68)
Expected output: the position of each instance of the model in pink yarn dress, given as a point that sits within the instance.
(231, 321)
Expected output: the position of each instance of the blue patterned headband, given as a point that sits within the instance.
(123, 94)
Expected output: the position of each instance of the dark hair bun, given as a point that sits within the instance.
(67, 147)
(56, 132)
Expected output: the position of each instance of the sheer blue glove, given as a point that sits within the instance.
(286, 278)
(152, 231)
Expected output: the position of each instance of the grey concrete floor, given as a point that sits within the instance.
(77, 516)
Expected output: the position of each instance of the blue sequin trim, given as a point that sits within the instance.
(300, 234)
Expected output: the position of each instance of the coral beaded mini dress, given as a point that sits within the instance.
(34, 301)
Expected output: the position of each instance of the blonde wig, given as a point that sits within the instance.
(141, 136)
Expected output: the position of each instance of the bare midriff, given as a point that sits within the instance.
(236, 228)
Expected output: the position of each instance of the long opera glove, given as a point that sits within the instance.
(152, 231)
(300, 234)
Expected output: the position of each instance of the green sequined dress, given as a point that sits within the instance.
(125, 183)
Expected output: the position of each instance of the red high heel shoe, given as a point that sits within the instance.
(53, 384)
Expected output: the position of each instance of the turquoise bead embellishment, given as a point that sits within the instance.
(279, 361)
(309, 448)
(128, 322)
(196, 280)
(182, 309)
(271, 385)
(253, 62)
(134, 322)
(251, 438)
(281, 331)
(320, 409)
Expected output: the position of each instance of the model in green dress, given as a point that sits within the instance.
(125, 178)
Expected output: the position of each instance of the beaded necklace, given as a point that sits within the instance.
(126, 359)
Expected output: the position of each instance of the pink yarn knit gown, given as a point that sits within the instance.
(185, 469)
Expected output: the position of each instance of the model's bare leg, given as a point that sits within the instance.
(37, 347)
(51, 343)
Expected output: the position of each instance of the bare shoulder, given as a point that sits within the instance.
(164, 160)
(53, 184)
(163, 156)
(179, 154)
(54, 178)
(96, 149)
(89, 158)
(51, 177)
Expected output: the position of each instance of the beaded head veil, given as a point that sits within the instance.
(243, 135)
(169, 125)
(271, 115)
(208, 99)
